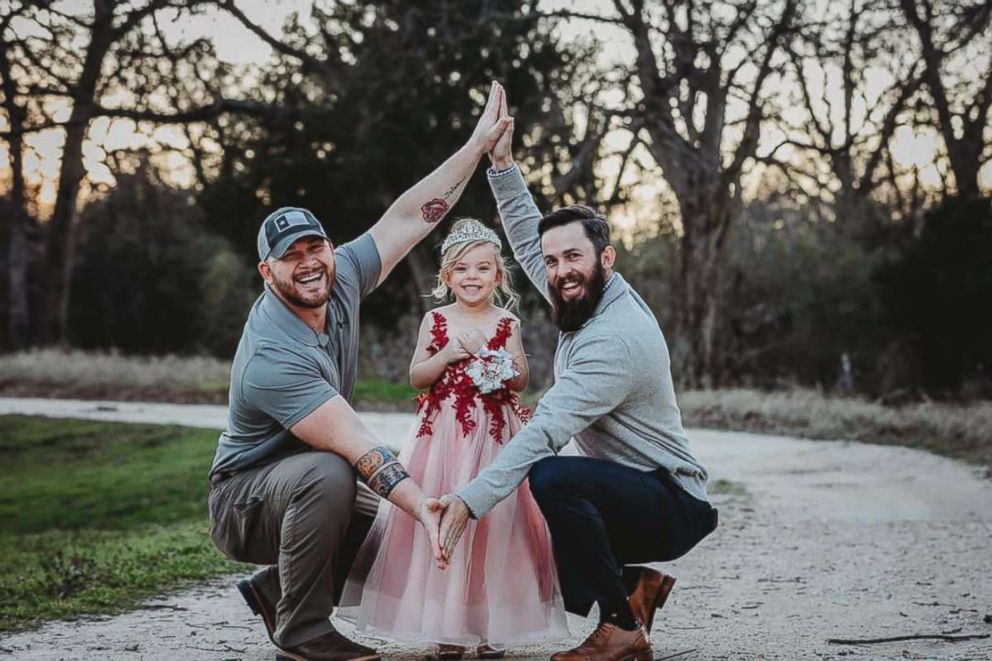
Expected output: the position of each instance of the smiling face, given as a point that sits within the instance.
(474, 275)
(576, 274)
(304, 275)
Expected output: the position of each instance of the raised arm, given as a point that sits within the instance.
(517, 211)
(418, 211)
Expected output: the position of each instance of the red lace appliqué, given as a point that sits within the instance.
(457, 385)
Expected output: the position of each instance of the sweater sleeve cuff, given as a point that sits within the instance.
(507, 184)
(493, 173)
(475, 497)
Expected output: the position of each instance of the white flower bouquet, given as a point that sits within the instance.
(490, 369)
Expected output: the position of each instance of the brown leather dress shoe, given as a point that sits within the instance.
(329, 647)
(650, 595)
(259, 605)
(610, 643)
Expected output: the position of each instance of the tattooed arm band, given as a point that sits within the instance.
(380, 470)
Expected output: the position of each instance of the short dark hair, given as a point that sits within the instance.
(596, 228)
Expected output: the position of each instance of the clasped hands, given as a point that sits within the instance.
(444, 520)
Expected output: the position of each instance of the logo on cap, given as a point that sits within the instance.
(282, 225)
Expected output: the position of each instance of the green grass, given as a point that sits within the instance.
(385, 392)
(722, 487)
(99, 515)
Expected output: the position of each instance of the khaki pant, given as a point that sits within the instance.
(304, 517)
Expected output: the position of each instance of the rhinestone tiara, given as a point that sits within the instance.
(471, 233)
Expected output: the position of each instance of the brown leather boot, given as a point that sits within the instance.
(259, 605)
(329, 647)
(610, 643)
(650, 595)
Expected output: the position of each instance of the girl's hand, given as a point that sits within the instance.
(454, 351)
(472, 340)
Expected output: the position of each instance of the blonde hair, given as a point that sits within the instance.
(503, 294)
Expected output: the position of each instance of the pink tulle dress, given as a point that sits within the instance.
(501, 587)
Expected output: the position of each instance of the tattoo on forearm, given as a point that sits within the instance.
(434, 210)
(386, 479)
(373, 460)
(451, 190)
(379, 469)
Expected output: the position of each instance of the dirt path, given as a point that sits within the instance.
(818, 540)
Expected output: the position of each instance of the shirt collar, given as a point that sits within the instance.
(614, 289)
(279, 313)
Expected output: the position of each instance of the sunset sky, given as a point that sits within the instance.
(236, 45)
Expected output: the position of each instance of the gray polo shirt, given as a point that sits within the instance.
(283, 370)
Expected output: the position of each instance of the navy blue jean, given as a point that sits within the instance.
(603, 515)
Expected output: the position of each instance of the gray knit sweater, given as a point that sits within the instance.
(613, 388)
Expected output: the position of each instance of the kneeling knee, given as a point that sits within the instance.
(546, 478)
(332, 483)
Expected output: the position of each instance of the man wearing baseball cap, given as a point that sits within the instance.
(284, 492)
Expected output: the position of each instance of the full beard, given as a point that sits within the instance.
(287, 290)
(569, 315)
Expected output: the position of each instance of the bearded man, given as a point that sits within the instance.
(636, 494)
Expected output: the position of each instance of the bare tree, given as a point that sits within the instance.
(955, 36)
(703, 71)
(110, 59)
(848, 122)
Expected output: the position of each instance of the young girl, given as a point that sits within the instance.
(500, 587)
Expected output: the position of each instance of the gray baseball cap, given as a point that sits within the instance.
(284, 226)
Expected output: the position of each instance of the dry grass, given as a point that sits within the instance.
(187, 379)
(955, 430)
(82, 374)
(960, 431)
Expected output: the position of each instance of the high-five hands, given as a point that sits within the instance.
(501, 154)
(491, 124)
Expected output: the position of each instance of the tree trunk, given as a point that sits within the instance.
(18, 313)
(705, 222)
(60, 254)
(422, 272)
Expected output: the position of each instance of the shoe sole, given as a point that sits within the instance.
(253, 599)
(664, 590)
(286, 656)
